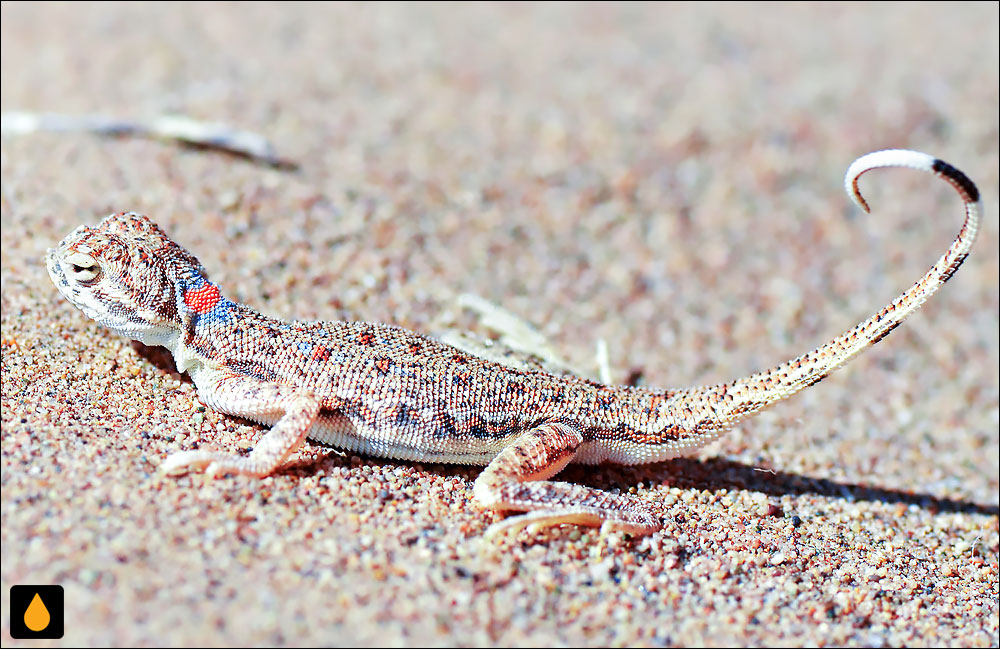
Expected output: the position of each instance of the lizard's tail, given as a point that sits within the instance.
(725, 405)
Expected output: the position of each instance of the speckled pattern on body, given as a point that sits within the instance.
(661, 177)
(387, 392)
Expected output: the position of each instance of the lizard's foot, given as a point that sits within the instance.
(635, 520)
(211, 463)
(183, 462)
(517, 480)
(215, 464)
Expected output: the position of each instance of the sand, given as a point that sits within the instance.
(666, 178)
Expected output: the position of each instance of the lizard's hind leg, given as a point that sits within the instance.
(517, 480)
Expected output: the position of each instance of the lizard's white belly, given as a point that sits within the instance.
(338, 431)
(625, 452)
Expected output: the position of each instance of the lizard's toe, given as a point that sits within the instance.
(183, 462)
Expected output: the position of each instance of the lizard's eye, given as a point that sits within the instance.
(83, 268)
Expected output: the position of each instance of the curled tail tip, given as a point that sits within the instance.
(892, 158)
(851, 187)
(907, 159)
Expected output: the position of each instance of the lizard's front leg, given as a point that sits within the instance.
(517, 480)
(292, 410)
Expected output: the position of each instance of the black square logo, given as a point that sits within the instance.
(36, 612)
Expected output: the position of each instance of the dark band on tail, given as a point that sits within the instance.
(959, 179)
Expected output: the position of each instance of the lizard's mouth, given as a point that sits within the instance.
(56, 272)
(56, 264)
(73, 278)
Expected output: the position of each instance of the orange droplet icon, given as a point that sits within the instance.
(36, 617)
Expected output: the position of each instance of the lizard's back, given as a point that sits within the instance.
(442, 403)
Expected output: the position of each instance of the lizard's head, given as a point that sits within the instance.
(124, 274)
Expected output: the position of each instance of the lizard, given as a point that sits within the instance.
(384, 391)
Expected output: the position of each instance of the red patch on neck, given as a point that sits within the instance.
(204, 299)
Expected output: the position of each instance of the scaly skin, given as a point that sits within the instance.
(381, 390)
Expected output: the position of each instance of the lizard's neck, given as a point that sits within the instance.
(206, 316)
